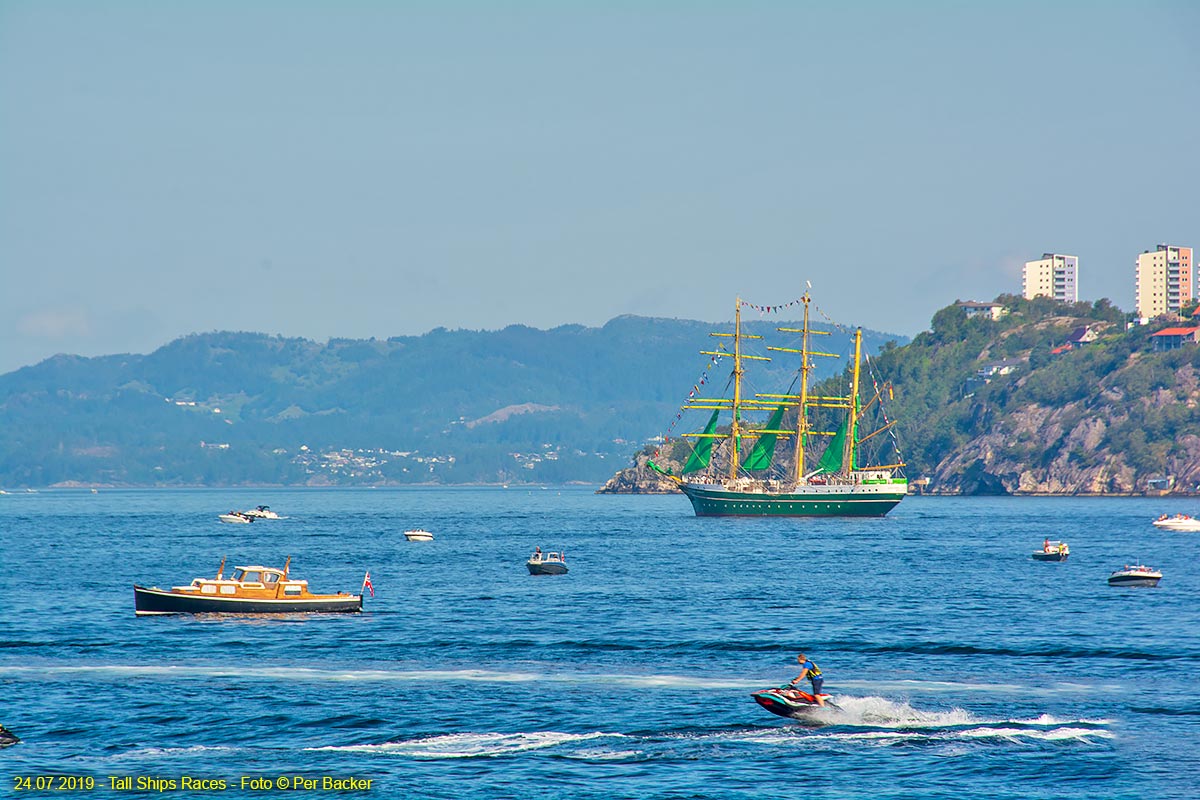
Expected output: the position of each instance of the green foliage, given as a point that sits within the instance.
(942, 403)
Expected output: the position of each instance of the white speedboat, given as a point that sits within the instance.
(262, 512)
(547, 563)
(236, 518)
(1179, 522)
(418, 535)
(1135, 575)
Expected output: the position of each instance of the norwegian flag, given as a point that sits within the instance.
(367, 583)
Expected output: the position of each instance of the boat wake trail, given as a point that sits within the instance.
(859, 722)
(879, 718)
(487, 745)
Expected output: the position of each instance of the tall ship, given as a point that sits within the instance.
(731, 470)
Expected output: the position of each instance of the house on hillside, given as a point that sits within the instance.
(992, 311)
(1173, 338)
(1082, 336)
(989, 371)
(1078, 338)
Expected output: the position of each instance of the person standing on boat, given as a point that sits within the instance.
(810, 670)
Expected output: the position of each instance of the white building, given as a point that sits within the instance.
(1053, 275)
(1163, 281)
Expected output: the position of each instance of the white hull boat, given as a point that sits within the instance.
(1179, 522)
(1136, 575)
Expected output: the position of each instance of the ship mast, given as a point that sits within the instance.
(802, 417)
(852, 418)
(803, 429)
(737, 389)
(737, 402)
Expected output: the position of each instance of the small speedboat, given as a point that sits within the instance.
(1135, 575)
(788, 701)
(1179, 522)
(546, 563)
(418, 535)
(236, 518)
(261, 512)
(249, 590)
(1052, 551)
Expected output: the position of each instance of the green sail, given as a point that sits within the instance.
(764, 448)
(703, 450)
(831, 461)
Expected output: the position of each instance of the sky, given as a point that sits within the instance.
(372, 169)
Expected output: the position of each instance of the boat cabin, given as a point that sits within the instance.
(249, 582)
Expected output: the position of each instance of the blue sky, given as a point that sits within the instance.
(359, 169)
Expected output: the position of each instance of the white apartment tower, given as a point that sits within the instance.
(1164, 281)
(1053, 275)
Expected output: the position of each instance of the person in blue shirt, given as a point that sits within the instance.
(810, 670)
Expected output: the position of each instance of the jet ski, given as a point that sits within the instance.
(787, 701)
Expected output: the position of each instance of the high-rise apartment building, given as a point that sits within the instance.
(1053, 275)
(1164, 281)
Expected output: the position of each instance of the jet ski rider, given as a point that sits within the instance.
(810, 670)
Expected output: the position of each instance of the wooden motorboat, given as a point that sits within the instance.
(546, 563)
(1052, 551)
(1135, 575)
(418, 535)
(236, 518)
(249, 590)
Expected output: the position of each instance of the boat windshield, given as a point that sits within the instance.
(251, 577)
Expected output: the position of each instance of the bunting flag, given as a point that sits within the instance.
(695, 390)
(773, 309)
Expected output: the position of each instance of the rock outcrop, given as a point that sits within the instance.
(639, 479)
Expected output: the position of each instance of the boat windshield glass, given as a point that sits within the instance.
(237, 575)
(270, 577)
(251, 577)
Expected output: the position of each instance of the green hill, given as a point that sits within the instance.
(519, 404)
(1009, 407)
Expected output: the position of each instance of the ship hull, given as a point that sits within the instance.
(710, 500)
(162, 601)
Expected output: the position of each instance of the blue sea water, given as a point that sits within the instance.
(962, 668)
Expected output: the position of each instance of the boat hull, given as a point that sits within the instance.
(161, 601)
(546, 568)
(793, 704)
(1187, 526)
(710, 500)
(1039, 556)
(1133, 580)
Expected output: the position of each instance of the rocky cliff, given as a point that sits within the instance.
(1068, 450)
(639, 479)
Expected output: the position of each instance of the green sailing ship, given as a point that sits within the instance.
(837, 485)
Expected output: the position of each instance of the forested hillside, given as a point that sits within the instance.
(1102, 417)
(518, 404)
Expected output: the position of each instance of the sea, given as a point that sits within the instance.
(960, 667)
